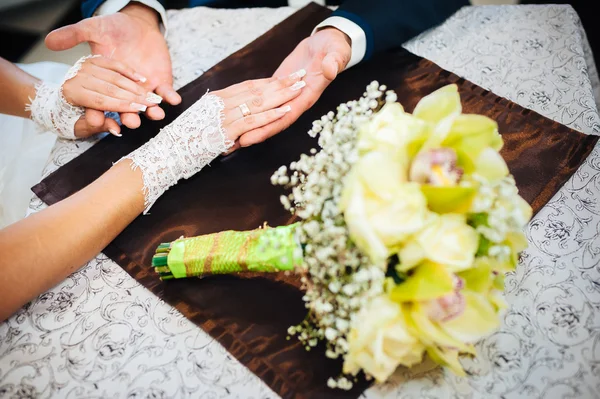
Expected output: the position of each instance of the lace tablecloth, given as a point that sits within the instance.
(101, 334)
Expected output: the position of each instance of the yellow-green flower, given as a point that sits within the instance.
(474, 138)
(457, 329)
(393, 131)
(379, 341)
(380, 208)
(450, 311)
(427, 281)
(439, 109)
(446, 239)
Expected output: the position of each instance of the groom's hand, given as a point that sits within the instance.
(323, 55)
(133, 37)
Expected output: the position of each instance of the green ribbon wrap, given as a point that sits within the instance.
(265, 250)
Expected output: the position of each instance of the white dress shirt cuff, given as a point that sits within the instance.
(354, 32)
(113, 6)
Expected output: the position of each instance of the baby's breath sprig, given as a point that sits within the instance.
(338, 279)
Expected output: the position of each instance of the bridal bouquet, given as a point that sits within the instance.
(409, 224)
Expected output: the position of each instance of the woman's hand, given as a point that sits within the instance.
(105, 84)
(93, 83)
(210, 127)
(267, 101)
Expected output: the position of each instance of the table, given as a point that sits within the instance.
(101, 334)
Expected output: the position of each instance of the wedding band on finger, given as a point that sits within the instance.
(245, 110)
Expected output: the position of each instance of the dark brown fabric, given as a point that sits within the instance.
(250, 316)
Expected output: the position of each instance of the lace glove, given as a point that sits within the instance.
(51, 111)
(182, 148)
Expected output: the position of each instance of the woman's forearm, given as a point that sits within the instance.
(17, 88)
(42, 250)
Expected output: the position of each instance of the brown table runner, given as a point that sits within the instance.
(250, 316)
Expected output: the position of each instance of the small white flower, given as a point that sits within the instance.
(335, 286)
(285, 202)
(330, 334)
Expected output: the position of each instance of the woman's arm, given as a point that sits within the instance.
(40, 251)
(17, 88)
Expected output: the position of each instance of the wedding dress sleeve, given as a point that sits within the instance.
(182, 148)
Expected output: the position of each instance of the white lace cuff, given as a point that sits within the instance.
(182, 148)
(51, 111)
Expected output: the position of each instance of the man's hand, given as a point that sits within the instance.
(323, 55)
(133, 37)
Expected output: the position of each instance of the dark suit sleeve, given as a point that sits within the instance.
(89, 7)
(389, 23)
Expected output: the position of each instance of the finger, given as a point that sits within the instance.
(94, 118)
(290, 79)
(118, 80)
(169, 94)
(299, 106)
(155, 113)
(111, 126)
(71, 35)
(83, 129)
(248, 85)
(93, 96)
(332, 64)
(259, 100)
(119, 67)
(265, 84)
(125, 100)
(131, 120)
(251, 122)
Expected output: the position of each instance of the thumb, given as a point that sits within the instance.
(71, 35)
(332, 64)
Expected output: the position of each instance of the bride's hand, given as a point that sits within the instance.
(108, 85)
(266, 100)
(93, 83)
(210, 127)
(105, 84)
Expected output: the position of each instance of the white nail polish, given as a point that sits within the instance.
(139, 107)
(140, 77)
(298, 85)
(153, 98)
(284, 110)
(298, 74)
(114, 133)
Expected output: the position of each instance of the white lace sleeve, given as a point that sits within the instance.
(182, 148)
(51, 111)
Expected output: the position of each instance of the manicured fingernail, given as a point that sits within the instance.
(298, 85)
(114, 132)
(153, 98)
(140, 77)
(284, 110)
(139, 107)
(298, 74)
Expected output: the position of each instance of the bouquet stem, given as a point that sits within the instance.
(266, 250)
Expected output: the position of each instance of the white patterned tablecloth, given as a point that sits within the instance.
(100, 334)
